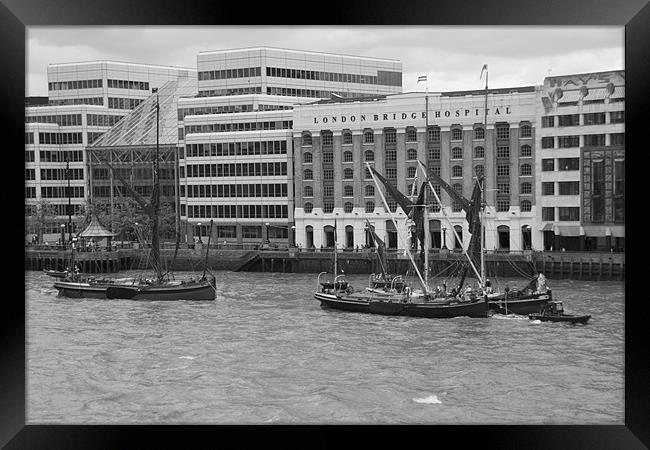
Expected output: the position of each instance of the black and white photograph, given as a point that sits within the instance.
(325, 224)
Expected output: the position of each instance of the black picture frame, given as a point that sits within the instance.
(16, 15)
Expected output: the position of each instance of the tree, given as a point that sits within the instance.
(40, 217)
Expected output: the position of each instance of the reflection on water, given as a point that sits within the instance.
(265, 352)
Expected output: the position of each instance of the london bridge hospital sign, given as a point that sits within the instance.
(352, 118)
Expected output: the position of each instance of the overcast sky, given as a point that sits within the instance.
(452, 57)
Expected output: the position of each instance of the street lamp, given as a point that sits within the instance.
(267, 231)
(62, 234)
(199, 231)
(293, 235)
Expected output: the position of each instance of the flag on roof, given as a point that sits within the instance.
(484, 69)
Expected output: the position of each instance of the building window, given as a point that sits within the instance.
(548, 121)
(457, 171)
(548, 188)
(568, 120)
(594, 140)
(569, 164)
(503, 151)
(306, 139)
(617, 117)
(548, 142)
(456, 153)
(619, 191)
(347, 156)
(367, 174)
(390, 136)
(526, 188)
(328, 207)
(347, 138)
(525, 170)
(569, 187)
(327, 137)
(503, 132)
(617, 139)
(594, 118)
(457, 134)
(598, 191)
(309, 191)
(307, 158)
(503, 205)
(391, 172)
(433, 134)
(328, 191)
(308, 207)
(503, 188)
(411, 154)
(434, 154)
(348, 174)
(410, 172)
(368, 137)
(370, 191)
(308, 174)
(548, 165)
(525, 131)
(548, 214)
(503, 170)
(479, 152)
(479, 133)
(328, 174)
(348, 207)
(370, 207)
(526, 206)
(526, 151)
(328, 157)
(392, 205)
(411, 135)
(568, 141)
(435, 170)
(569, 213)
(369, 155)
(391, 155)
(348, 191)
(479, 170)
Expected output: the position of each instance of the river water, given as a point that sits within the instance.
(265, 352)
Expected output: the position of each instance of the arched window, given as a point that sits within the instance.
(525, 131)
(456, 153)
(411, 134)
(327, 138)
(479, 170)
(479, 152)
(309, 207)
(370, 191)
(369, 155)
(370, 207)
(525, 170)
(479, 133)
(308, 191)
(526, 188)
(347, 138)
(307, 158)
(328, 207)
(457, 134)
(526, 151)
(411, 154)
(433, 134)
(526, 206)
(348, 191)
(390, 136)
(347, 156)
(306, 138)
(308, 174)
(348, 207)
(348, 174)
(368, 137)
(411, 171)
(457, 171)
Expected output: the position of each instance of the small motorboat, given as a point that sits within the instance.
(554, 312)
(56, 273)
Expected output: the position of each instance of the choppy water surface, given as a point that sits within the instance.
(265, 352)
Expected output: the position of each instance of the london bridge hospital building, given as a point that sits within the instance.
(335, 142)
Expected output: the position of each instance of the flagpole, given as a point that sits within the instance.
(426, 209)
(484, 186)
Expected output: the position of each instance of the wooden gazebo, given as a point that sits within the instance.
(93, 235)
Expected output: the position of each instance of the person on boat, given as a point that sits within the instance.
(488, 286)
(541, 283)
